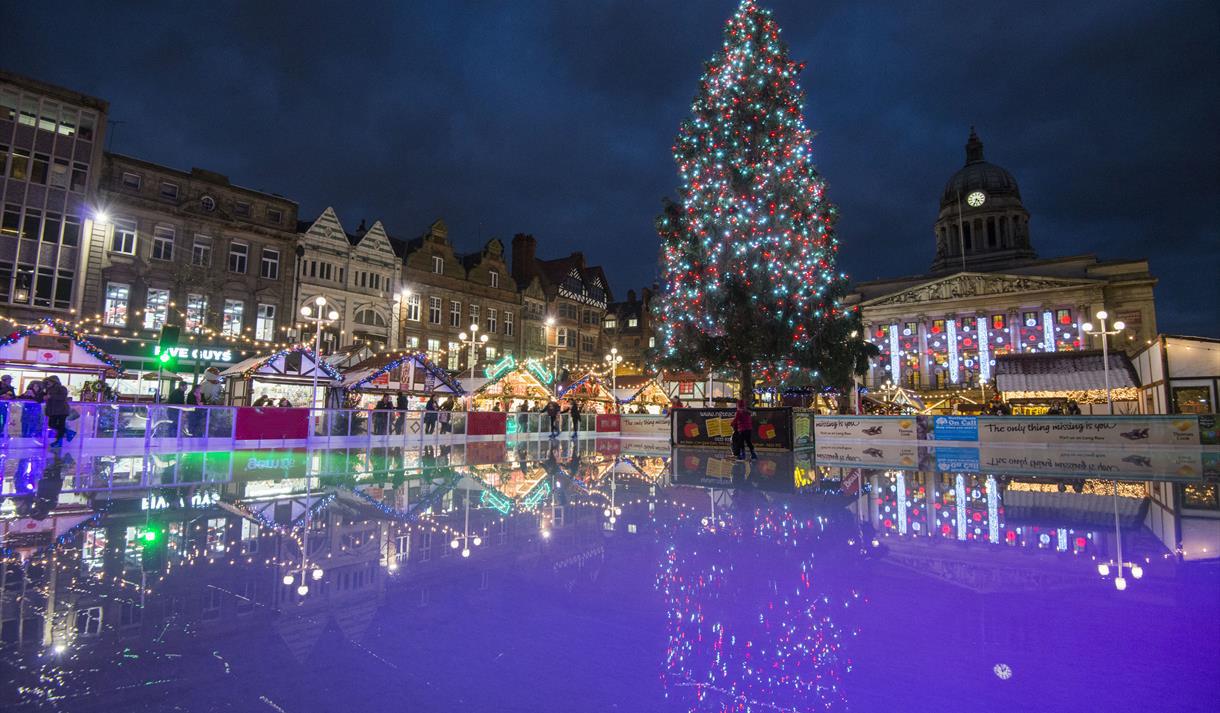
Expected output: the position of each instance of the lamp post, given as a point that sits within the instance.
(1103, 568)
(614, 359)
(474, 341)
(318, 319)
(550, 324)
(855, 378)
(1105, 348)
(465, 540)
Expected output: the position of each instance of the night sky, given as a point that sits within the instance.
(557, 118)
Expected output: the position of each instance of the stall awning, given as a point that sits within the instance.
(416, 373)
(296, 362)
(1063, 371)
(589, 387)
(50, 345)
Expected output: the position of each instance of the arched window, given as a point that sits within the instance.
(370, 317)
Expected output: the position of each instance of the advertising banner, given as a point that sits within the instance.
(772, 471)
(1091, 461)
(955, 428)
(802, 427)
(1109, 430)
(271, 423)
(879, 455)
(644, 425)
(884, 428)
(713, 427)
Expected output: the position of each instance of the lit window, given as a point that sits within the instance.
(156, 309)
(163, 243)
(495, 279)
(434, 348)
(489, 353)
(413, 307)
(611, 323)
(454, 356)
(196, 312)
(561, 337)
(117, 297)
(633, 322)
(169, 190)
(438, 265)
(271, 264)
(238, 253)
(997, 321)
(264, 326)
(201, 251)
(124, 240)
(652, 342)
(234, 311)
(131, 180)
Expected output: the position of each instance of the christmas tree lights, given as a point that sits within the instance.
(749, 249)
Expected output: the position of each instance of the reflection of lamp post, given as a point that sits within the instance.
(465, 540)
(319, 319)
(1103, 568)
(613, 511)
(614, 359)
(316, 573)
(1105, 349)
(550, 324)
(473, 342)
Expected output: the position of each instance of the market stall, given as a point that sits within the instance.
(893, 401)
(52, 347)
(412, 374)
(287, 374)
(511, 386)
(591, 392)
(641, 395)
(1053, 382)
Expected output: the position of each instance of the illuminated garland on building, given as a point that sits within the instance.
(330, 371)
(422, 361)
(63, 330)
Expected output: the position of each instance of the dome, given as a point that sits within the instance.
(978, 175)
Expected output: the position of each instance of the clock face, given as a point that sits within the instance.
(976, 199)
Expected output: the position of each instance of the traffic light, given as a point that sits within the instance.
(152, 548)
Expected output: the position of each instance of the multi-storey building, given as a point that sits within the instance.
(189, 248)
(447, 293)
(358, 273)
(575, 296)
(50, 153)
(628, 327)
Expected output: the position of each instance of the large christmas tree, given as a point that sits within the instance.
(748, 251)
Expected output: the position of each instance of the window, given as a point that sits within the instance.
(455, 314)
(633, 322)
(455, 355)
(568, 311)
(208, 203)
(652, 342)
(211, 602)
(434, 348)
(275, 215)
(201, 251)
(491, 321)
(586, 343)
(115, 312)
(561, 337)
(130, 614)
(169, 190)
(438, 265)
(38, 170)
(156, 308)
(1063, 316)
(489, 353)
(60, 173)
(413, 306)
(370, 317)
(89, 621)
(231, 324)
(124, 240)
(611, 323)
(495, 278)
(238, 253)
(508, 324)
(997, 321)
(163, 243)
(242, 209)
(196, 312)
(271, 264)
(19, 168)
(1192, 399)
(80, 177)
(434, 310)
(474, 314)
(264, 325)
(131, 180)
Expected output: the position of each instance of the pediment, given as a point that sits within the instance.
(327, 226)
(976, 284)
(376, 239)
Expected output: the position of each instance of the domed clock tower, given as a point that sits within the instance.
(981, 214)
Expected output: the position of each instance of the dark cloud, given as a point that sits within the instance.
(557, 118)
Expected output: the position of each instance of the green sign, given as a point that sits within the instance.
(500, 368)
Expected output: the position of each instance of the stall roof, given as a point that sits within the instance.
(274, 365)
(369, 369)
(600, 387)
(83, 354)
(478, 386)
(1063, 371)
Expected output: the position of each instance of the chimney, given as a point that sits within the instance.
(646, 296)
(524, 247)
(631, 295)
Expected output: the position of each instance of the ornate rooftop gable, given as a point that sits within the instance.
(976, 284)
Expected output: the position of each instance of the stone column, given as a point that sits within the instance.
(921, 324)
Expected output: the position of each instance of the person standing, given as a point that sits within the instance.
(31, 410)
(743, 427)
(177, 397)
(57, 410)
(7, 393)
(402, 404)
(574, 412)
(552, 411)
(431, 410)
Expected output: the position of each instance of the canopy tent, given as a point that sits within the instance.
(589, 388)
(895, 400)
(413, 373)
(1060, 376)
(507, 381)
(288, 373)
(52, 347)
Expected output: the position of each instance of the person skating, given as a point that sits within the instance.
(57, 410)
(552, 411)
(574, 412)
(743, 426)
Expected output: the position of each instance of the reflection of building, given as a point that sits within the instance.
(1179, 374)
(50, 159)
(988, 294)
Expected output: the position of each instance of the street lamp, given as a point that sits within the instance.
(465, 540)
(614, 359)
(318, 319)
(473, 342)
(1105, 348)
(1103, 568)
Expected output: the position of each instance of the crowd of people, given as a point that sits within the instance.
(44, 406)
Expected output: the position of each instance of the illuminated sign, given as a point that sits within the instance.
(542, 373)
(197, 353)
(501, 367)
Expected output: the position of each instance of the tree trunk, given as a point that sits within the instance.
(747, 382)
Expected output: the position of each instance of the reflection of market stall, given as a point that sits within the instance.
(641, 394)
(1035, 383)
(286, 374)
(52, 348)
(411, 374)
(511, 386)
(591, 392)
